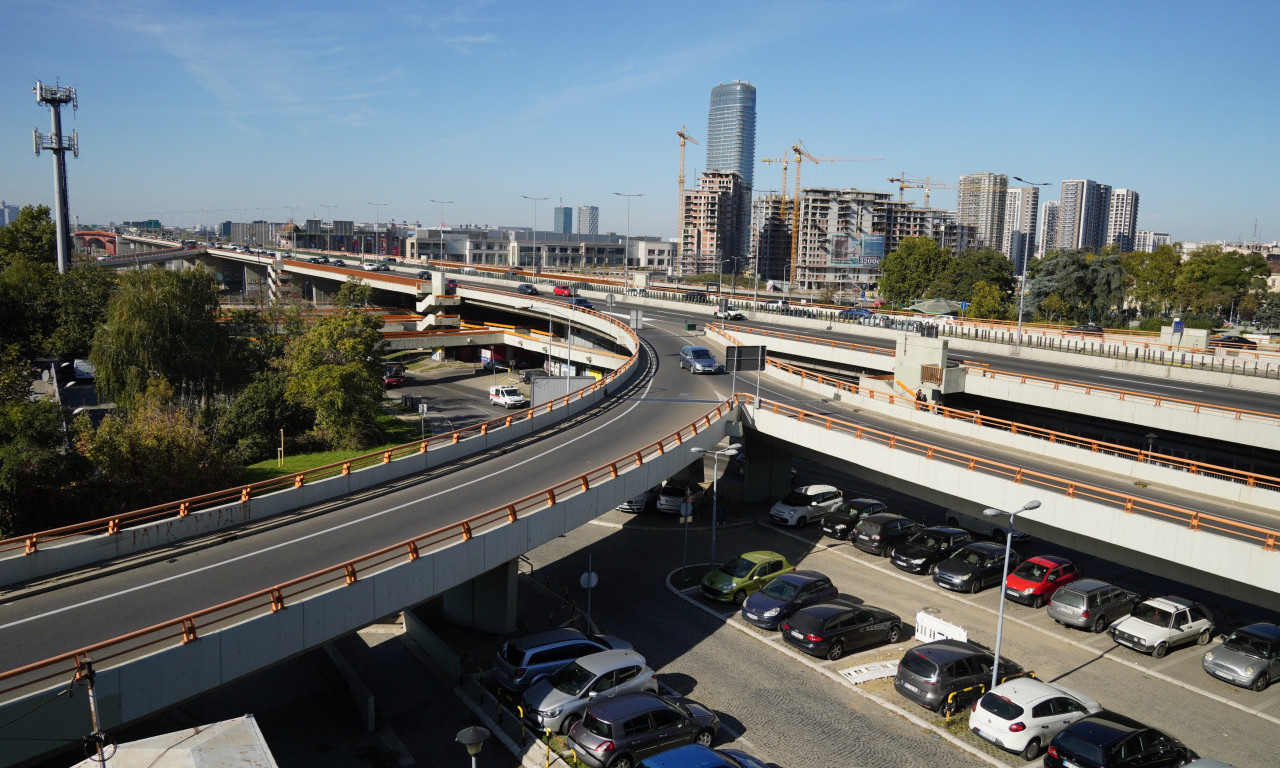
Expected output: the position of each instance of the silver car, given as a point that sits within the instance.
(1249, 657)
(1090, 604)
(523, 661)
(698, 360)
(557, 702)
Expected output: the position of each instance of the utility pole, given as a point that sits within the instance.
(99, 739)
(55, 96)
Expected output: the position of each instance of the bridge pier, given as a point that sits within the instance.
(768, 470)
(486, 603)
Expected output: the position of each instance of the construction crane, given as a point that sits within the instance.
(800, 156)
(911, 182)
(684, 136)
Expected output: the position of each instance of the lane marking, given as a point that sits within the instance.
(1144, 383)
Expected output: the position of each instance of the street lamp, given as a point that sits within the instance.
(473, 738)
(1022, 280)
(1151, 444)
(442, 204)
(728, 452)
(1008, 538)
(535, 231)
(568, 338)
(626, 245)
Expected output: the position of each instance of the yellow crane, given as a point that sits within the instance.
(684, 136)
(911, 182)
(800, 156)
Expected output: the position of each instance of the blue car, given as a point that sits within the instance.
(698, 756)
(581, 303)
(785, 595)
(856, 313)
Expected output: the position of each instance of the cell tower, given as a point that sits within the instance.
(55, 96)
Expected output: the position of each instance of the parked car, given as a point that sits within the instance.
(775, 305)
(1233, 342)
(974, 567)
(808, 502)
(580, 303)
(698, 360)
(617, 731)
(880, 534)
(842, 522)
(391, 380)
(557, 701)
(734, 580)
(785, 595)
(1158, 624)
(925, 548)
(674, 493)
(562, 290)
(424, 274)
(527, 289)
(641, 502)
(524, 660)
(528, 375)
(700, 756)
(1034, 581)
(928, 674)
(1023, 715)
(728, 313)
(1088, 329)
(1109, 739)
(830, 628)
(1248, 657)
(1091, 604)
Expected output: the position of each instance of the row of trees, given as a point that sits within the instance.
(199, 391)
(1076, 286)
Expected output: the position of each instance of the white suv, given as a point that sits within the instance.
(806, 503)
(1162, 622)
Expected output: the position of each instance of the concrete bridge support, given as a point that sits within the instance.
(486, 603)
(768, 469)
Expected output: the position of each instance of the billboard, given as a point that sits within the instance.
(872, 247)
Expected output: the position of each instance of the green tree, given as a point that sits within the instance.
(988, 301)
(32, 236)
(84, 293)
(1151, 277)
(255, 419)
(1107, 281)
(1053, 308)
(907, 273)
(1268, 314)
(961, 274)
(1213, 280)
(1064, 275)
(28, 304)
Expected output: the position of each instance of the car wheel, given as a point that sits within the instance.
(569, 722)
(1204, 637)
(933, 569)
(835, 651)
(704, 738)
(801, 522)
(888, 551)
(895, 632)
(1261, 683)
(975, 587)
(622, 761)
(1037, 603)
(739, 597)
(1160, 651)
(1032, 749)
(1099, 624)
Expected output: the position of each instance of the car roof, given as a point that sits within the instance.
(625, 705)
(881, 517)
(1171, 602)
(803, 577)
(1105, 728)
(1049, 560)
(688, 756)
(692, 348)
(1029, 690)
(603, 661)
(760, 555)
(1262, 629)
(828, 608)
(943, 651)
(943, 529)
(983, 546)
(1087, 585)
(547, 637)
(817, 488)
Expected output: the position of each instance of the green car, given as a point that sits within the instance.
(743, 575)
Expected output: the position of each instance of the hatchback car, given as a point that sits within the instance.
(728, 313)
(842, 522)
(830, 628)
(698, 360)
(974, 567)
(1035, 580)
(1088, 329)
(785, 595)
(562, 290)
(880, 534)
(928, 674)
(1109, 739)
(808, 502)
(423, 274)
(1090, 604)
(673, 494)
(775, 305)
(557, 702)
(700, 756)
(743, 575)
(1158, 624)
(1022, 715)
(527, 289)
(524, 660)
(925, 548)
(617, 731)
(1249, 657)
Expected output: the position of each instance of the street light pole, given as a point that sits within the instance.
(377, 221)
(535, 231)
(1008, 538)
(442, 204)
(626, 245)
(729, 452)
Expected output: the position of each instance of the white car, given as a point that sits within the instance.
(775, 305)
(809, 502)
(673, 495)
(729, 314)
(1160, 623)
(1023, 715)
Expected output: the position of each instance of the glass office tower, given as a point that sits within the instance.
(731, 147)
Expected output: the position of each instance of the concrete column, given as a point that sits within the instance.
(768, 474)
(486, 603)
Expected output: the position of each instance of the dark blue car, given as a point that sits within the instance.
(856, 313)
(698, 756)
(785, 595)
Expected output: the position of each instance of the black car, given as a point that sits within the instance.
(842, 522)
(527, 376)
(1111, 739)
(1088, 329)
(527, 289)
(339, 263)
(702, 297)
(881, 533)
(424, 274)
(829, 629)
(785, 595)
(974, 567)
(1233, 342)
(927, 547)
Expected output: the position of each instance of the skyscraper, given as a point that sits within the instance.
(980, 200)
(1049, 228)
(1021, 210)
(1082, 215)
(1122, 219)
(588, 220)
(1146, 240)
(731, 147)
(562, 220)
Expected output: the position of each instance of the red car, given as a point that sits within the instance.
(563, 290)
(1037, 578)
(392, 381)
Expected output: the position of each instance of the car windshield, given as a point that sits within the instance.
(1153, 615)
(572, 679)
(1246, 642)
(738, 567)
(797, 499)
(597, 726)
(925, 540)
(780, 589)
(1031, 571)
(969, 557)
(700, 353)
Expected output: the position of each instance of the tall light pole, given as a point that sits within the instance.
(328, 243)
(1022, 279)
(442, 204)
(729, 452)
(626, 245)
(1008, 538)
(377, 222)
(568, 337)
(535, 231)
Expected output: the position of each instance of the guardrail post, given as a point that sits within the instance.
(113, 527)
(188, 630)
(184, 509)
(412, 546)
(350, 570)
(484, 428)
(31, 545)
(455, 437)
(277, 600)
(297, 481)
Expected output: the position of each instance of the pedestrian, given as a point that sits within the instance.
(920, 398)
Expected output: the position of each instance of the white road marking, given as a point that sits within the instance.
(1144, 383)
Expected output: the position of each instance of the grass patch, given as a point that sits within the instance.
(396, 432)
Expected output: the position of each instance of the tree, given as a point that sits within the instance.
(32, 236)
(1268, 314)
(1065, 276)
(911, 269)
(961, 274)
(28, 304)
(84, 294)
(259, 414)
(1107, 281)
(1151, 277)
(1213, 280)
(988, 301)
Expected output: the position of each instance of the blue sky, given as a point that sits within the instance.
(235, 110)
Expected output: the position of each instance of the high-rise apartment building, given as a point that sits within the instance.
(1145, 240)
(588, 220)
(8, 214)
(1021, 210)
(835, 225)
(980, 202)
(1082, 215)
(562, 220)
(711, 228)
(731, 147)
(1049, 228)
(1122, 219)
(770, 237)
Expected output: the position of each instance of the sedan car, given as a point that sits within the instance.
(390, 381)
(747, 573)
(1160, 623)
(339, 263)
(1249, 657)
(558, 701)
(1109, 739)
(808, 502)
(698, 360)
(1035, 580)
(829, 629)
(973, 568)
(1090, 604)
(728, 313)
(527, 289)
(785, 595)
(1088, 329)
(617, 731)
(1023, 715)
(856, 313)
(1233, 342)
(925, 548)
(842, 522)
(562, 290)
(674, 494)
(581, 303)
